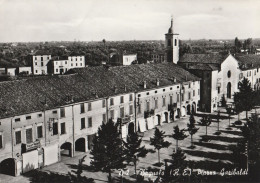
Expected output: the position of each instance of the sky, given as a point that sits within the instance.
(113, 20)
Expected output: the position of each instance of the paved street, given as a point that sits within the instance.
(211, 151)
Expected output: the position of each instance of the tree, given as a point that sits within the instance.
(238, 45)
(244, 99)
(158, 141)
(133, 149)
(205, 121)
(218, 118)
(191, 128)
(107, 152)
(178, 135)
(176, 163)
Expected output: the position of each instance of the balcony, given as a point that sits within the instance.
(148, 114)
(127, 119)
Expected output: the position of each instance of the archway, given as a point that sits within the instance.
(178, 113)
(166, 117)
(229, 90)
(188, 109)
(80, 145)
(7, 167)
(159, 119)
(131, 128)
(172, 115)
(66, 149)
(193, 110)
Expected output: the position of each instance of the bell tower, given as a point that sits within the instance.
(172, 45)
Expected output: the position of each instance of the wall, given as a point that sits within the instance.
(37, 68)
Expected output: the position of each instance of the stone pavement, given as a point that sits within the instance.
(227, 138)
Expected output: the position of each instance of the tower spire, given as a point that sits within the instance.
(171, 21)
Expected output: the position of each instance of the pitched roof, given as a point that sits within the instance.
(248, 61)
(29, 95)
(204, 67)
(202, 58)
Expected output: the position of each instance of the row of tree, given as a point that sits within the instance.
(110, 151)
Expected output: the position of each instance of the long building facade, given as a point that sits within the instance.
(46, 118)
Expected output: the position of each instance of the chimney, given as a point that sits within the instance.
(115, 89)
(174, 80)
(125, 88)
(157, 82)
(144, 84)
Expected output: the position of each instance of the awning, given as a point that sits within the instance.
(51, 154)
(124, 131)
(150, 123)
(30, 161)
(142, 125)
(155, 120)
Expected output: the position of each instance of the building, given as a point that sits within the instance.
(158, 57)
(45, 118)
(40, 60)
(24, 70)
(219, 77)
(172, 45)
(123, 58)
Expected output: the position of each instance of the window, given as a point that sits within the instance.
(35, 63)
(178, 98)
(189, 85)
(72, 65)
(147, 93)
(122, 99)
(76, 64)
(18, 137)
(56, 63)
(57, 70)
(170, 99)
(41, 63)
(122, 112)
(194, 93)
(163, 90)
(55, 130)
(28, 117)
(90, 122)
(41, 58)
(112, 114)
(131, 97)
(39, 132)
(131, 111)
(17, 119)
(171, 88)
(139, 95)
(80, 59)
(36, 71)
(39, 115)
(182, 97)
(62, 112)
(62, 128)
(148, 106)
(54, 112)
(139, 109)
(83, 125)
(164, 101)
(189, 95)
(47, 58)
(29, 137)
(229, 74)
(198, 91)
(80, 64)
(104, 118)
(104, 103)
(35, 58)
(240, 75)
(82, 108)
(155, 91)
(255, 72)
(156, 104)
(76, 59)
(175, 42)
(111, 101)
(89, 107)
(65, 62)
(218, 90)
